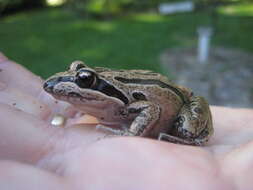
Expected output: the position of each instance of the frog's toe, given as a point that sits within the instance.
(172, 139)
(178, 140)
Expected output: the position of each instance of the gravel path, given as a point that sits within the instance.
(226, 79)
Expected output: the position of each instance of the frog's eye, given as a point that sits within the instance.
(85, 78)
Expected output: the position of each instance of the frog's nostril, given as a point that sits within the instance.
(48, 86)
(50, 83)
(45, 85)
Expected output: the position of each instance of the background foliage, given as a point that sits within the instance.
(130, 35)
(107, 7)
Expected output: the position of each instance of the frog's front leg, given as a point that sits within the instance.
(148, 114)
(145, 116)
(193, 125)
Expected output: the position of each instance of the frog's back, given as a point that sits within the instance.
(144, 80)
(133, 74)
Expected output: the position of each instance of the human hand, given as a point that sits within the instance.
(37, 155)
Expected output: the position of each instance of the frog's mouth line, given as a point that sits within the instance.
(73, 95)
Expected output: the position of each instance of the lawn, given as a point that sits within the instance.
(47, 41)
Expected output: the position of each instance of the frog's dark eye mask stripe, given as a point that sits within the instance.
(109, 90)
(151, 82)
(101, 86)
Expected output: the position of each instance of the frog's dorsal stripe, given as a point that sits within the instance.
(110, 90)
(151, 82)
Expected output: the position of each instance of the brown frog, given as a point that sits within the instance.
(142, 102)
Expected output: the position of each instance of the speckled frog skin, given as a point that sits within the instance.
(142, 102)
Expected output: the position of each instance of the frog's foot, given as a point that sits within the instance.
(200, 140)
(118, 132)
(176, 140)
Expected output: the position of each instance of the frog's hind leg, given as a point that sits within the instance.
(193, 125)
(199, 141)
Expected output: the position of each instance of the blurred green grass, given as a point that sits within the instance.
(47, 41)
(241, 9)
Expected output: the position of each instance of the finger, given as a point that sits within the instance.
(43, 106)
(16, 76)
(23, 101)
(24, 137)
(237, 118)
(15, 176)
(232, 126)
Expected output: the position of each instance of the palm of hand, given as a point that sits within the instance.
(73, 157)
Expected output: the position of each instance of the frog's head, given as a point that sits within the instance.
(82, 85)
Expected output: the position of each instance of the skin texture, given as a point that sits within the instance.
(36, 155)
